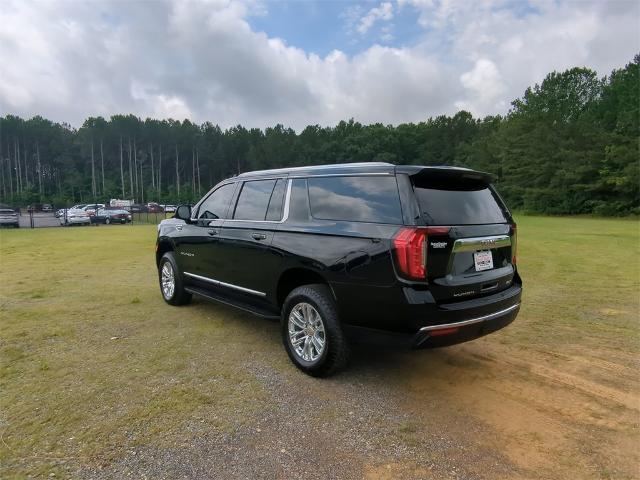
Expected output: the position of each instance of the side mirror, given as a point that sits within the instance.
(183, 212)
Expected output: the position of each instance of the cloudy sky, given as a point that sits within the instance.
(299, 62)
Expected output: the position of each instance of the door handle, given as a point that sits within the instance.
(258, 236)
(212, 231)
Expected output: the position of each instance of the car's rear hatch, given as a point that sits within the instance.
(469, 247)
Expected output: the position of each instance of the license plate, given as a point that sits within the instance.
(483, 260)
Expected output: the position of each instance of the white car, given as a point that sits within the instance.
(92, 208)
(60, 213)
(75, 217)
(169, 208)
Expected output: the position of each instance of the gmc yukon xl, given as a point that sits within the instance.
(424, 254)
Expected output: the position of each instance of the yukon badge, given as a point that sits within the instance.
(438, 244)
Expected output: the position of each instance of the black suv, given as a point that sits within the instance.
(427, 254)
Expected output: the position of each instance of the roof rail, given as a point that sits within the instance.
(312, 168)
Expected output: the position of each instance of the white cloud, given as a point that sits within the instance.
(67, 61)
(484, 83)
(382, 12)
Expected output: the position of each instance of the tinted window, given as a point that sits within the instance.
(299, 200)
(215, 206)
(254, 200)
(458, 203)
(358, 199)
(274, 212)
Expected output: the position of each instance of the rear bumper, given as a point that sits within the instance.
(465, 330)
(415, 316)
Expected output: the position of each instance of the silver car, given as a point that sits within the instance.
(9, 218)
(75, 217)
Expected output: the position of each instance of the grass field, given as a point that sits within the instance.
(94, 367)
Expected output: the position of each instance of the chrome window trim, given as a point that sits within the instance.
(224, 284)
(481, 243)
(471, 321)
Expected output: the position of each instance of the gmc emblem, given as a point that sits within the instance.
(487, 243)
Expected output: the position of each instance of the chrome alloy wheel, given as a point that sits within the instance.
(167, 280)
(306, 332)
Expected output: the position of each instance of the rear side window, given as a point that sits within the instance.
(274, 212)
(254, 200)
(458, 202)
(215, 206)
(356, 199)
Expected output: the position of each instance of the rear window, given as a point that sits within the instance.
(355, 199)
(458, 202)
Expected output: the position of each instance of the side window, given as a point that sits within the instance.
(274, 212)
(254, 200)
(215, 206)
(357, 199)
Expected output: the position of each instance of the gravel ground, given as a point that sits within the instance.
(353, 426)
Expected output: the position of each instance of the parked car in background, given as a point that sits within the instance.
(9, 218)
(137, 208)
(75, 217)
(425, 254)
(92, 208)
(47, 207)
(61, 211)
(108, 216)
(153, 207)
(169, 208)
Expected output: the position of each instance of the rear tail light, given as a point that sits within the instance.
(514, 244)
(411, 250)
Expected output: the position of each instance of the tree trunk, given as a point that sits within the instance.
(193, 171)
(10, 173)
(198, 170)
(153, 175)
(177, 172)
(4, 187)
(160, 173)
(102, 165)
(93, 172)
(40, 191)
(141, 185)
(131, 172)
(16, 155)
(135, 165)
(121, 169)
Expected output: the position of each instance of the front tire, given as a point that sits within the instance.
(311, 331)
(107, 221)
(171, 284)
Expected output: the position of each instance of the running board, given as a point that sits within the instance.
(233, 302)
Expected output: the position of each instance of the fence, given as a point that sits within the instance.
(60, 216)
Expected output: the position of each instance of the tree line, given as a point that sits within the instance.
(569, 145)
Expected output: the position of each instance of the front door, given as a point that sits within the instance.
(202, 257)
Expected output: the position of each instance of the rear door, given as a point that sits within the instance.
(471, 235)
(251, 263)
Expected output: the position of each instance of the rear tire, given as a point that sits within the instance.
(171, 284)
(107, 221)
(312, 333)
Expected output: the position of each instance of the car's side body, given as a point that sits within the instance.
(254, 264)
